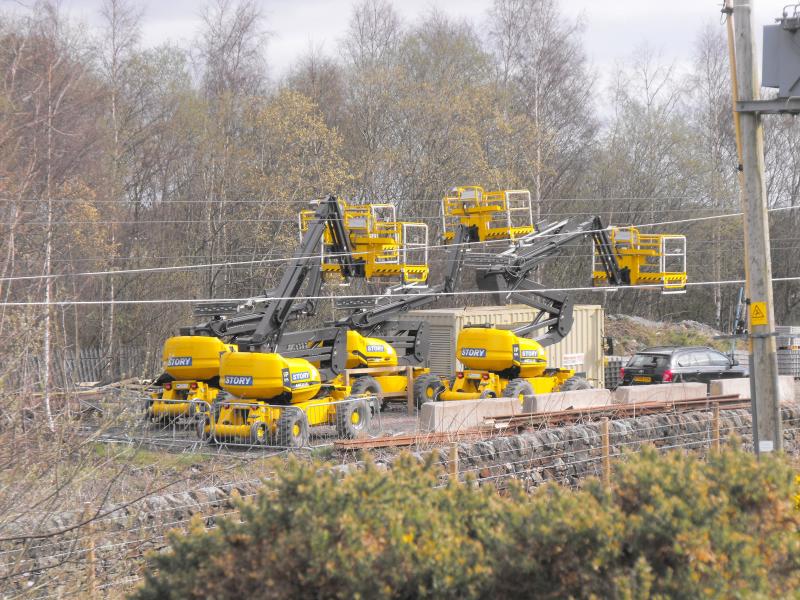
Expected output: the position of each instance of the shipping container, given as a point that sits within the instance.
(581, 350)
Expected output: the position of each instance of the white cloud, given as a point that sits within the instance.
(613, 28)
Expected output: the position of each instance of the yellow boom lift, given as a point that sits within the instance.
(354, 241)
(373, 335)
(280, 394)
(506, 363)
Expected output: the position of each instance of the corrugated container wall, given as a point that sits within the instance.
(581, 350)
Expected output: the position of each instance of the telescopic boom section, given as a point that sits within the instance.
(305, 261)
(389, 307)
(507, 275)
(622, 257)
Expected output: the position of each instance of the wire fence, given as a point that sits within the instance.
(105, 556)
(69, 367)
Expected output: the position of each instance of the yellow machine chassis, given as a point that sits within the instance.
(233, 423)
(169, 404)
(485, 384)
(237, 417)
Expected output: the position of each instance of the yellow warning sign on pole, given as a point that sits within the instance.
(758, 313)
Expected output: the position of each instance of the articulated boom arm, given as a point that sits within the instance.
(532, 250)
(507, 275)
(555, 309)
(324, 347)
(390, 306)
(266, 319)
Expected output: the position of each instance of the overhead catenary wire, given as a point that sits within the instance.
(605, 289)
(426, 246)
(248, 264)
(222, 220)
(244, 253)
(393, 201)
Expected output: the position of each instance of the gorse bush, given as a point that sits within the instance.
(669, 526)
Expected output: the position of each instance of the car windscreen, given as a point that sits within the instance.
(649, 361)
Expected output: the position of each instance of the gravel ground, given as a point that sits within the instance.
(394, 419)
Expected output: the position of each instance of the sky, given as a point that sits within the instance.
(614, 29)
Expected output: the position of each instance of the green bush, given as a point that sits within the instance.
(669, 526)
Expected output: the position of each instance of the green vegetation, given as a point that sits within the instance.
(139, 457)
(632, 334)
(668, 527)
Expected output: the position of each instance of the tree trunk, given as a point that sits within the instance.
(48, 250)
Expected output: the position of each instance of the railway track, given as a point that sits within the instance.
(508, 425)
(617, 411)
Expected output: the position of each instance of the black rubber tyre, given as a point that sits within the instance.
(192, 410)
(488, 394)
(427, 388)
(292, 429)
(352, 418)
(200, 428)
(575, 383)
(368, 386)
(148, 410)
(517, 388)
(259, 434)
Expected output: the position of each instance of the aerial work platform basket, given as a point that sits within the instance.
(382, 245)
(498, 215)
(655, 259)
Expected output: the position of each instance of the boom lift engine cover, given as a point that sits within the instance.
(191, 380)
(280, 395)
